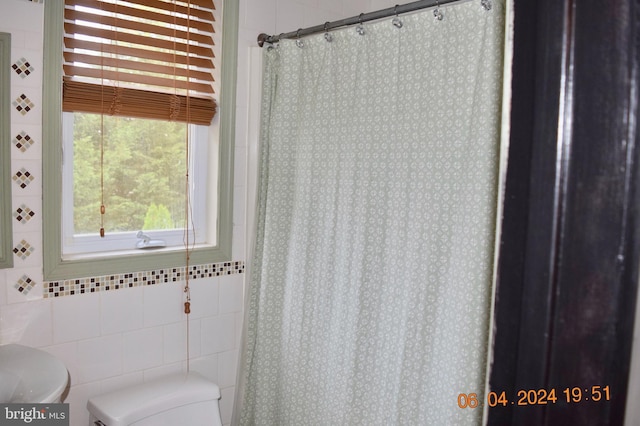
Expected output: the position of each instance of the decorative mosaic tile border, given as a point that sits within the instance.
(136, 279)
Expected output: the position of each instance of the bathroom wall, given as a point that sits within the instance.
(110, 339)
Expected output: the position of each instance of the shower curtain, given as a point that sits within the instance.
(370, 290)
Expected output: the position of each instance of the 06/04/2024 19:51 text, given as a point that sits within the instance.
(571, 395)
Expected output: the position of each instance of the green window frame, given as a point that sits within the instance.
(57, 268)
(6, 232)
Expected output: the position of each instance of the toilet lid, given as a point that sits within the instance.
(123, 407)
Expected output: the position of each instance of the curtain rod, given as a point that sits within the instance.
(363, 17)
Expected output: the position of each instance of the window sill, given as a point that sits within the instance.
(97, 256)
(135, 260)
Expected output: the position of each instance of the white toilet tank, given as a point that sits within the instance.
(180, 399)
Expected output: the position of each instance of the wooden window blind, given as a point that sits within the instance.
(140, 58)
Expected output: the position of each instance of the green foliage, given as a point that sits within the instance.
(157, 217)
(143, 173)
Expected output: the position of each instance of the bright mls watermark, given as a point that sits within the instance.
(34, 414)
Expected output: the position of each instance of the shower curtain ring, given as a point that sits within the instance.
(299, 42)
(436, 12)
(327, 34)
(360, 28)
(396, 21)
(486, 4)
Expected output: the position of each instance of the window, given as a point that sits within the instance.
(144, 184)
(129, 152)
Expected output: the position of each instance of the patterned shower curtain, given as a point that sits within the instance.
(370, 291)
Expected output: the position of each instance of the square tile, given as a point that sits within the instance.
(205, 297)
(162, 304)
(27, 323)
(26, 138)
(217, 334)
(175, 341)
(143, 349)
(27, 214)
(23, 178)
(99, 358)
(25, 175)
(231, 293)
(26, 250)
(23, 250)
(26, 102)
(120, 311)
(23, 104)
(18, 18)
(23, 141)
(23, 68)
(23, 214)
(24, 284)
(76, 318)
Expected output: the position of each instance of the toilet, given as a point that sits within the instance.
(179, 399)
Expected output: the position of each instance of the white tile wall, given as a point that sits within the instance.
(28, 323)
(207, 366)
(231, 294)
(175, 341)
(383, 4)
(77, 400)
(162, 304)
(121, 310)
(76, 318)
(259, 15)
(133, 335)
(14, 275)
(205, 297)
(99, 358)
(218, 334)
(143, 349)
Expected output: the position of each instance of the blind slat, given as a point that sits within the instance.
(159, 29)
(155, 55)
(168, 18)
(152, 69)
(130, 38)
(168, 83)
(122, 64)
(87, 97)
(203, 13)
